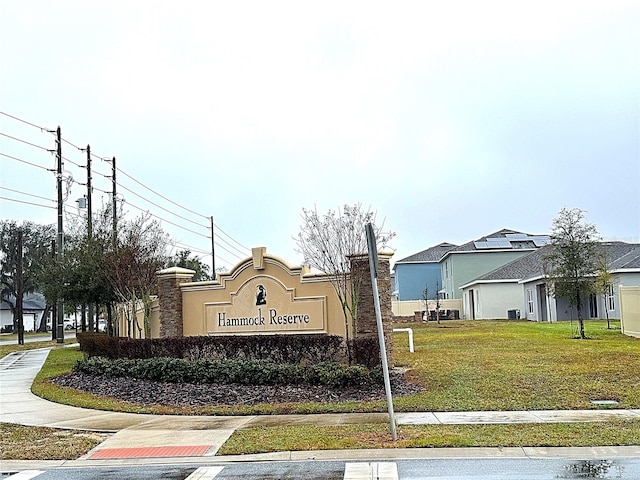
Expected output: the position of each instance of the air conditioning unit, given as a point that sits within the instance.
(513, 314)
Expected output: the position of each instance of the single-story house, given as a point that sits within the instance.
(33, 310)
(519, 289)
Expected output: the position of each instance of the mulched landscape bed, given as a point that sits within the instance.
(199, 395)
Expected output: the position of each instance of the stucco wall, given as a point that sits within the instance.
(461, 268)
(630, 310)
(290, 290)
(492, 300)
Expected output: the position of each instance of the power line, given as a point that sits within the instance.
(26, 203)
(220, 230)
(168, 221)
(24, 121)
(160, 195)
(69, 143)
(28, 163)
(28, 143)
(160, 207)
(190, 248)
(73, 163)
(244, 254)
(26, 193)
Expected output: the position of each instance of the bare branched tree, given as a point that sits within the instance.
(328, 241)
(132, 266)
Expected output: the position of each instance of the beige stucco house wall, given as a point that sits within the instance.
(630, 310)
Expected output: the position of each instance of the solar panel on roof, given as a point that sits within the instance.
(498, 243)
(517, 236)
(540, 241)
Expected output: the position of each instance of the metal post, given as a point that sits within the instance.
(373, 267)
(60, 242)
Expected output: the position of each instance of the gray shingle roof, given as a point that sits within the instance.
(621, 256)
(630, 259)
(516, 241)
(432, 254)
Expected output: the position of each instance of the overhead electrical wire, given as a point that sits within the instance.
(27, 194)
(27, 162)
(26, 203)
(160, 207)
(160, 195)
(217, 227)
(168, 221)
(28, 143)
(24, 121)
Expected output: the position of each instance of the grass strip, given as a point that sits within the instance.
(362, 436)
(19, 442)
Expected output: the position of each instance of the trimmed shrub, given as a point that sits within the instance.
(311, 348)
(224, 372)
(366, 351)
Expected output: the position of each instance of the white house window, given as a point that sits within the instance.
(611, 299)
(530, 300)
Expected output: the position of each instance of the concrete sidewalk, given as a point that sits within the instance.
(161, 436)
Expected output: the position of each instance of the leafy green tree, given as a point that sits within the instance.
(184, 259)
(36, 250)
(573, 259)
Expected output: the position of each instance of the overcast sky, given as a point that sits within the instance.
(451, 119)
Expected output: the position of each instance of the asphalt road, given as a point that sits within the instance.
(458, 469)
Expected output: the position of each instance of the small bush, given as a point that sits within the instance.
(366, 351)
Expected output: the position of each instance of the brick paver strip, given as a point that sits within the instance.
(150, 452)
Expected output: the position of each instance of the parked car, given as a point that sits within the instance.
(69, 325)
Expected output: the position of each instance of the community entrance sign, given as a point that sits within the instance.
(264, 305)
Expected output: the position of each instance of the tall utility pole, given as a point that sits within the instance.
(54, 309)
(60, 243)
(89, 191)
(213, 252)
(89, 227)
(114, 204)
(20, 289)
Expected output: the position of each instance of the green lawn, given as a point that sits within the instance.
(482, 365)
(507, 365)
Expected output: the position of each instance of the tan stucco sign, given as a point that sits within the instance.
(264, 305)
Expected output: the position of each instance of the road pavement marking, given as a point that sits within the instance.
(371, 471)
(205, 473)
(26, 475)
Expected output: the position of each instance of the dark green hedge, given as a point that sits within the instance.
(240, 371)
(274, 348)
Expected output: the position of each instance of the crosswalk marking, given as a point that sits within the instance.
(205, 473)
(26, 475)
(371, 471)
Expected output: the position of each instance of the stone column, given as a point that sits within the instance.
(367, 323)
(170, 300)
